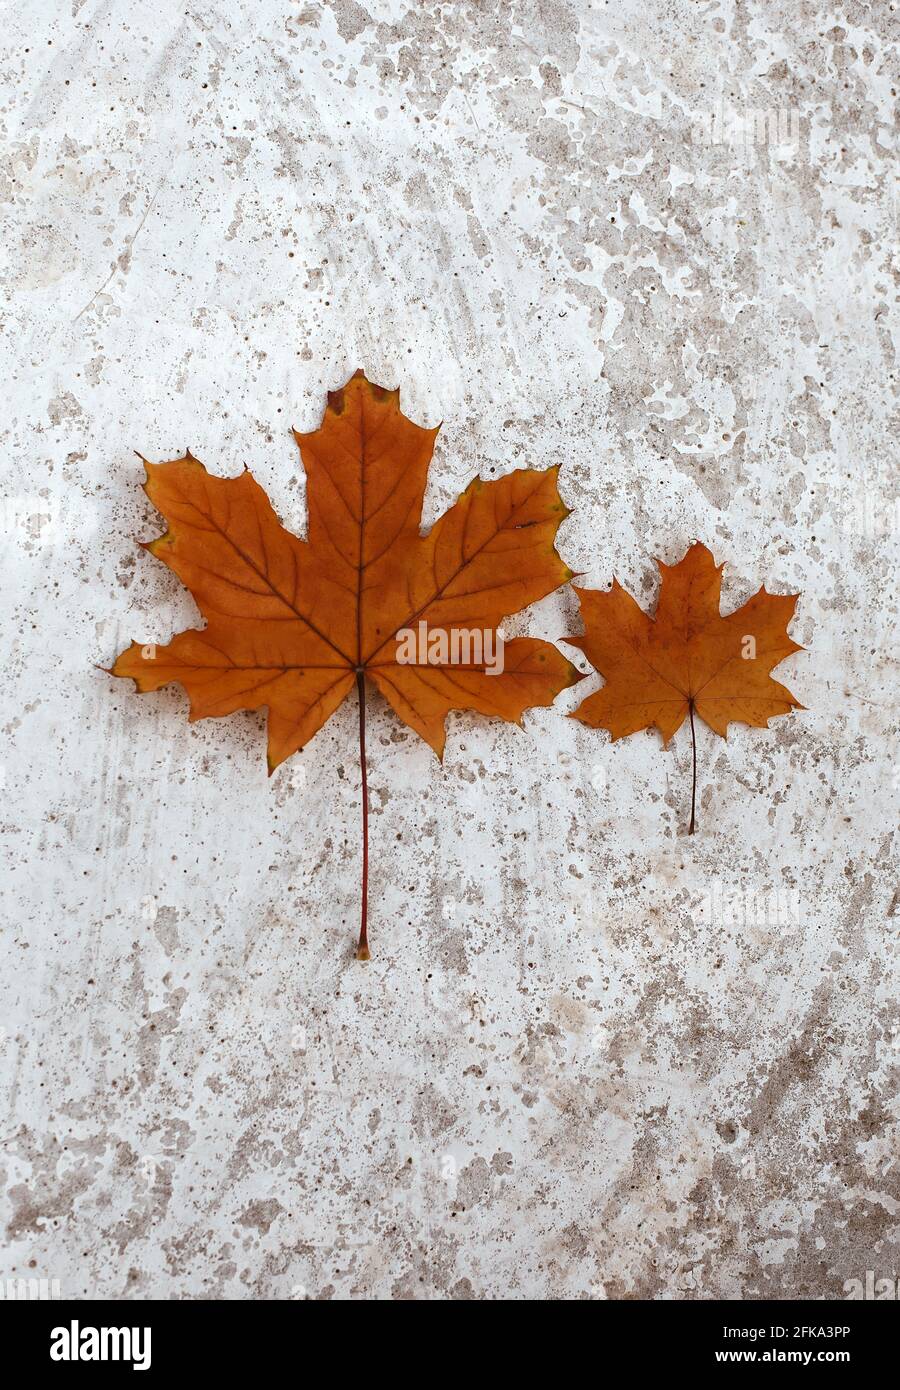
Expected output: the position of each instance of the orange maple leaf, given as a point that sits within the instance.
(293, 625)
(689, 660)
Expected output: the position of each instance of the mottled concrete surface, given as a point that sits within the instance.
(592, 1057)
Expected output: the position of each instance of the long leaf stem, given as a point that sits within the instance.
(362, 950)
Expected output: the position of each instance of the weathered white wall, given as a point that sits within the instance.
(557, 1076)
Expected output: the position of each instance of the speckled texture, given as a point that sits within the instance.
(578, 1066)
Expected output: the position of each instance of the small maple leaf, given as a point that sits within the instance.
(293, 625)
(689, 660)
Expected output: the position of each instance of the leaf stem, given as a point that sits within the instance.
(694, 775)
(362, 950)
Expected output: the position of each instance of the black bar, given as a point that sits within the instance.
(673, 1338)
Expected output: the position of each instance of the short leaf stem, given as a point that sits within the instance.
(694, 774)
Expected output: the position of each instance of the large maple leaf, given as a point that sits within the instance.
(293, 625)
(689, 660)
